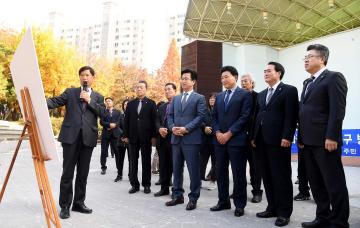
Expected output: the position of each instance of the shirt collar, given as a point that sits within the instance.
(189, 92)
(274, 86)
(232, 89)
(89, 89)
(317, 74)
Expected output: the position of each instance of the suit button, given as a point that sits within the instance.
(138, 118)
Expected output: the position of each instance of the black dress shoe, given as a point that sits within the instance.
(265, 214)
(239, 212)
(157, 183)
(220, 207)
(256, 199)
(81, 208)
(118, 178)
(147, 190)
(282, 221)
(302, 197)
(191, 205)
(162, 192)
(64, 213)
(317, 223)
(175, 201)
(133, 190)
(103, 171)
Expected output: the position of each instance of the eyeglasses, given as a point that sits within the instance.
(309, 56)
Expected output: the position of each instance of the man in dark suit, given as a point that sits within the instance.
(231, 114)
(78, 137)
(322, 110)
(253, 158)
(186, 114)
(140, 133)
(110, 132)
(165, 154)
(277, 109)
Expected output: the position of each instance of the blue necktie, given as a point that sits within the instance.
(227, 97)
(183, 102)
(309, 85)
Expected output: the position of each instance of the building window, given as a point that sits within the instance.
(116, 52)
(116, 44)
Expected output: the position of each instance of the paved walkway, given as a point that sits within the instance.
(114, 207)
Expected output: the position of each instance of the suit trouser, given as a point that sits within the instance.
(190, 153)
(119, 159)
(276, 173)
(207, 150)
(255, 169)
(165, 163)
(105, 142)
(79, 155)
(328, 185)
(237, 157)
(145, 164)
(303, 179)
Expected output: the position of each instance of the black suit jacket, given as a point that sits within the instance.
(140, 127)
(322, 110)
(161, 121)
(278, 119)
(76, 118)
(251, 123)
(105, 122)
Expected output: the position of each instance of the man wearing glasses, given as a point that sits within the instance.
(322, 110)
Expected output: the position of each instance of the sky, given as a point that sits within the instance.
(19, 13)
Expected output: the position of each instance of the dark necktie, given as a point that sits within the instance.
(309, 85)
(227, 98)
(269, 95)
(83, 102)
(183, 102)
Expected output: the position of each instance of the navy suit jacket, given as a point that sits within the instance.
(322, 110)
(235, 118)
(76, 118)
(191, 118)
(106, 120)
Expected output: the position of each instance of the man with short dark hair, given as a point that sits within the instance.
(110, 132)
(186, 114)
(277, 109)
(231, 115)
(165, 154)
(139, 132)
(78, 137)
(322, 111)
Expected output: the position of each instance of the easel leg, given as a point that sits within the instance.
(12, 162)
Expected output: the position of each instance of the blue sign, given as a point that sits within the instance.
(351, 142)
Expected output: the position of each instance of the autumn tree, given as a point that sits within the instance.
(170, 69)
(58, 63)
(126, 78)
(8, 42)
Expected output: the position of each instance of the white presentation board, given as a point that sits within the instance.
(25, 73)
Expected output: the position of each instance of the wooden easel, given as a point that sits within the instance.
(37, 156)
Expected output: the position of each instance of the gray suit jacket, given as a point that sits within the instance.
(191, 117)
(77, 118)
